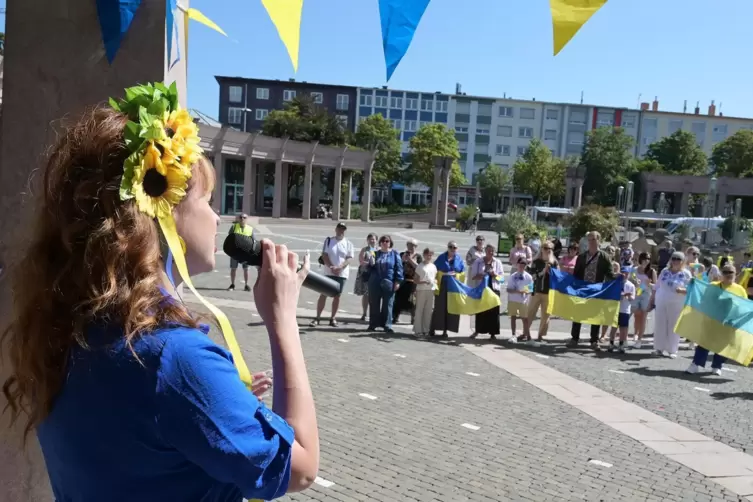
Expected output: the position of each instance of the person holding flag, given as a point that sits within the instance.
(449, 264)
(539, 270)
(488, 266)
(646, 277)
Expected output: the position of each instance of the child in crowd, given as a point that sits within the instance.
(623, 320)
(626, 253)
(426, 284)
(616, 273)
(518, 294)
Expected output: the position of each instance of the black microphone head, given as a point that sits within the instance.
(243, 249)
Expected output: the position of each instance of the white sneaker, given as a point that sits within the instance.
(512, 339)
(717, 372)
(692, 369)
(637, 345)
(672, 356)
(665, 353)
(657, 353)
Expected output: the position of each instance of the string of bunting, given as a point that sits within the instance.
(399, 20)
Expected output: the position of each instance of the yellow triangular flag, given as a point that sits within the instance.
(197, 15)
(568, 16)
(286, 16)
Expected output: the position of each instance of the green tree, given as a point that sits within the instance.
(2, 43)
(608, 162)
(433, 140)
(734, 156)
(679, 153)
(493, 181)
(377, 133)
(604, 220)
(516, 221)
(538, 174)
(304, 120)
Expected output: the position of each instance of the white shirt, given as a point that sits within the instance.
(426, 272)
(517, 285)
(625, 301)
(535, 246)
(338, 252)
(667, 284)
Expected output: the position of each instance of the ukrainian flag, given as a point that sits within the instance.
(745, 276)
(718, 321)
(580, 301)
(465, 300)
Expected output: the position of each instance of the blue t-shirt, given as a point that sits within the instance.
(178, 425)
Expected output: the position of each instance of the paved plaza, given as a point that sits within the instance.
(403, 419)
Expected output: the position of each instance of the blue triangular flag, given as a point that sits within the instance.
(400, 19)
(172, 33)
(115, 17)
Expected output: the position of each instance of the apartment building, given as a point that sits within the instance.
(245, 102)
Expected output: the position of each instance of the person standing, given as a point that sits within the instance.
(426, 284)
(669, 298)
(487, 322)
(384, 281)
(450, 265)
(665, 254)
(539, 270)
(646, 279)
(623, 319)
(337, 253)
(701, 355)
(240, 227)
(473, 254)
(567, 263)
(365, 262)
(520, 251)
(518, 295)
(592, 266)
(404, 296)
(535, 244)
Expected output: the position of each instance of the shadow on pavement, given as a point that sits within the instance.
(680, 375)
(748, 396)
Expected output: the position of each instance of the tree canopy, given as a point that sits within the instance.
(433, 140)
(304, 120)
(604, 220)
(679, 153)
(734, 156)
(538, 174)
(492, 181)
(377, 133)
(608, 162)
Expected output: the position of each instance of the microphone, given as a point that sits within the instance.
(246, 249)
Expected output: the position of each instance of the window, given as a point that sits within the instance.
(527, 113)
(578, 117)
(552, 114)
(427, 105)
(605, 119)
(482, 130)
(318, 97)
(522, 150)
(411, 104)
(236, 93)
(485, 109)
(463, 129)
(367, 99)
(380, 102)
(396, 102)
(409, 125)
(343, 102)
(261, 113)
(525, 132)
(550, 134)
(463, 147)
(441, 106)
(503, 150)
(396, 123)
(628, 121)
(288, 95)
(699, 130)
(575, 138)
(505, 131)
(343, 120)
(674, 126)
(234, 115)
(719, 132)
(262, 93)
(505, 111)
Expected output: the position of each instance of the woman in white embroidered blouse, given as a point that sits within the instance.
(669, 298)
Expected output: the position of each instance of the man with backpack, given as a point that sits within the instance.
(240, 227)
(337, 253)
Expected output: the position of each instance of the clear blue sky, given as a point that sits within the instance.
(673, 49)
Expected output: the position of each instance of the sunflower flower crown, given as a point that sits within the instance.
(163, 142)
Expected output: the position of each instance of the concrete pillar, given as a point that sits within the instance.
(316, 188)
(579, 194)
(261, 169)
(285, 183)
(568, 192)
(219, 186)
(721, 202)
(348, 195)
(445, 192)
(46, 78)
(337, 192)
(277, 199)
(684, 203)
(306, 206)
(366, 198)
(650, 199)
(248, 186)
(436, 196)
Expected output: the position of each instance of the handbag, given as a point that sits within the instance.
(324, 250)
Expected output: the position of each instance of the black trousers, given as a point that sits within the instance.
(595, 332)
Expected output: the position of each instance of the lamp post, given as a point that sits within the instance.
(620, 190)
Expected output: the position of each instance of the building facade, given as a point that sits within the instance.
(245, 102)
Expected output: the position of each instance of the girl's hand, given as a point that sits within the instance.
(261, 383)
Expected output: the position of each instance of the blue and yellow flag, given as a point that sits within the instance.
(745, 276)
(580, 301)
(465, 300)
(718, 321)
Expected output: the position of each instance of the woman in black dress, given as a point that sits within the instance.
(404, 295)
(487, 322)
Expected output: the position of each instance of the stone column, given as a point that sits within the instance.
(285, 178)
(219, 186)
(579, 194)
(261, 169)
(366, 197)
(348, 195)
(306, 206)
(445, 191)
(337, 191)
(46, 78)
(568, 192)
(316, 188)
(436, 196)
(650, 199)
(684, 203)
(248, 186)
(721, 202)
(277, 200)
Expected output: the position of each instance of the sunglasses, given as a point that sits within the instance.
(728, 272)
(479, 240)
(452, 247)
(676, 259)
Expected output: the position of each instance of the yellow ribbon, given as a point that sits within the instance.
(167, 224)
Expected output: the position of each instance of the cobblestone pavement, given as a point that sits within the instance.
(446, 425)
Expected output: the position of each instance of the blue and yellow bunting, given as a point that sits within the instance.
(399, 19)
(115, 17)
(580, 301)
(718, 321)
(465, 300)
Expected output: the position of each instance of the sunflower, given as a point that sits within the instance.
(158, 187)
(183, 134)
